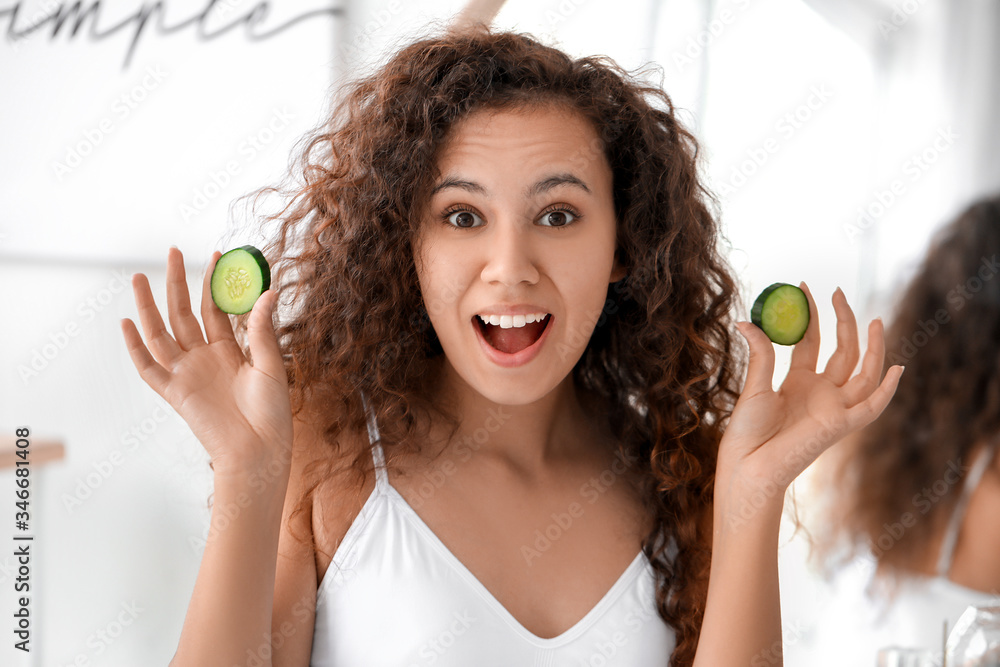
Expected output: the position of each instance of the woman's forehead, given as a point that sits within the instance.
(485, 123)
(522, 142)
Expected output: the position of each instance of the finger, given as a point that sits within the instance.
(845, 357)
(806, 351)
(218, 326)
(182, 321)
(262, 340)
(155, 375)
(760, 368)
(859, 387)
(162, 345)
(869, 409)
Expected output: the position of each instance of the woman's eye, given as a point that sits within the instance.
(462, 219)
(558, 218)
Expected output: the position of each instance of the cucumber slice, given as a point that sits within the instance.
(240, 277)
(782, 312)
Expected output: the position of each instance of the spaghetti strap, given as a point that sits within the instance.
(375, 440)
(950, 540)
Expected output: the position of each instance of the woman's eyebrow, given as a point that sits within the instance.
(541, 187)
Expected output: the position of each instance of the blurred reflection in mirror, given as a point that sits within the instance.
(910, 535)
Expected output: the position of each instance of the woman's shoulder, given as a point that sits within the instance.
(339, 488)
(307, 529)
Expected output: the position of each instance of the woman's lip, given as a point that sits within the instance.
(518, 358)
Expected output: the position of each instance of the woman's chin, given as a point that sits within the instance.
(500, 388)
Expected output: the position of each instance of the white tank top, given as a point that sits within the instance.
(395, 596)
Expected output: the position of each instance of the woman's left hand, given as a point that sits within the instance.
(773, 436)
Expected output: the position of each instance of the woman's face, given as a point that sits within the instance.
(520, 221)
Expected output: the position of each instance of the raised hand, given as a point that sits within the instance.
(774, 435)
(240, 412)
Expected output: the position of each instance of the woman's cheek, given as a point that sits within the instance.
(440, 288)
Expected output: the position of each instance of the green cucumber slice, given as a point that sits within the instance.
(240, 277)
(782, 312)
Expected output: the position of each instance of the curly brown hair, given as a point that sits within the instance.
(946, 331)
(662, 356)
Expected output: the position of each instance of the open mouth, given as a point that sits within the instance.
(513, 339)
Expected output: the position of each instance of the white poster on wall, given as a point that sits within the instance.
(133, 125)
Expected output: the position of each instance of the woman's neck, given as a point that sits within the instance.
(527, 440)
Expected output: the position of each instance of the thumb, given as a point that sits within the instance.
(262, 339)
(760, 369)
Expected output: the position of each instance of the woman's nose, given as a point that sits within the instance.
(509, 254)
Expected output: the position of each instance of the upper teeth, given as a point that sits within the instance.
(508, 321)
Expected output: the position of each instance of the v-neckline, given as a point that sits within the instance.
(564, 637)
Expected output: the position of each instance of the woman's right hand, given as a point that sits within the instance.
(240, 412)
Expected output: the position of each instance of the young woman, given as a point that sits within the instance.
(931, 531)
(584, 488)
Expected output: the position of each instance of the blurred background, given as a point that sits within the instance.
(838, 135)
